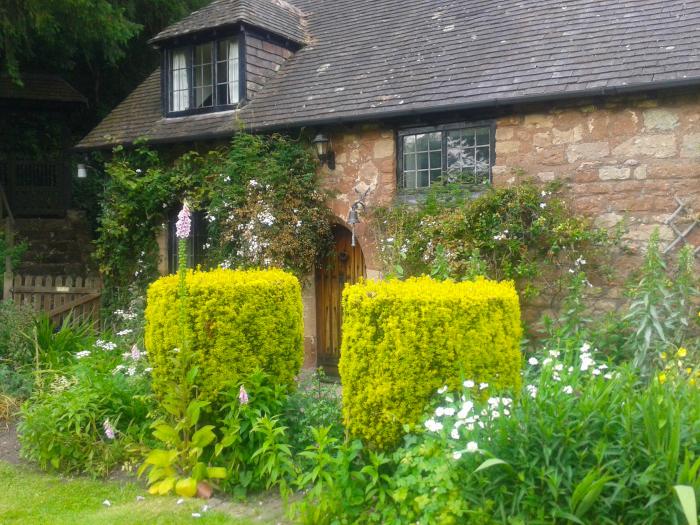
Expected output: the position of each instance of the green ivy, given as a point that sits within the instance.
(260, 196)
(524, 232)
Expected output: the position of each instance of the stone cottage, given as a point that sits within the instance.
(601, 94)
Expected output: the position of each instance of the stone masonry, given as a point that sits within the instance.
(622, 159)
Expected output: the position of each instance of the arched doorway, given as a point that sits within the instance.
(345, 265)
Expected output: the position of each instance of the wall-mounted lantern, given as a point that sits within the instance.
(325, 154)
(82, 171)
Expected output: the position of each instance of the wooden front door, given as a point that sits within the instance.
(345, 266)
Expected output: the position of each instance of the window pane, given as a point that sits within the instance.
(409, 144)
(436, 159)
(179, 80)
(483, 136)
(227, 72)
(435, 176)
(423, 179)
(222, 53)
(409, 179)
(436, 141)
(409, 162)
(422, 142)
(203, 54)
(423, 161)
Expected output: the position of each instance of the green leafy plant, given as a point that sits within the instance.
(260, 196)
(85, 417)
(255, 444)
(315, 403)
(524, 232)
(179, 466)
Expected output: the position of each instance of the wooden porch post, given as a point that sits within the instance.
(7, 276)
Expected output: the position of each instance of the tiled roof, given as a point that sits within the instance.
(370, 59)
(40, 87)
(277, 16)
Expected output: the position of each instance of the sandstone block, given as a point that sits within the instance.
(659, 146)
(504, 133)
(568, 136)
(691, 146)
(383, 148)
(587, 151)
(538, 120)
(660, 119)
(613, 173)
(640, 172)
(541, 139)
(546, 176)
(507, 146)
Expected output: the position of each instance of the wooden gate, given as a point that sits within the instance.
(60, 296)
(345, 265)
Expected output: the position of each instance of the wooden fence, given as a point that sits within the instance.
(59, 296)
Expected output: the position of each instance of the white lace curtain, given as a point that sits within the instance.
(180, 86)
(232, 72)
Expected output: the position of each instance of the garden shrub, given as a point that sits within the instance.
(235, 321)
(404, 339)
(524, 232)
(84, 417)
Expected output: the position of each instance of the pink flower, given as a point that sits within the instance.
(135, 353)
(109, 429)
(243, 396)
(183, 225)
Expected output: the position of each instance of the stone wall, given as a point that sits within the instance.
(365, 156)
(623, 158)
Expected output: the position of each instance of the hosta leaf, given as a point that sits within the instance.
(186, 487)
(203, 436)
(161, 458)
(686, 495)
(165, 486)
(216, 472)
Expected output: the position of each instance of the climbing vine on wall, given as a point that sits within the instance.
(524, 232)
(259, 195)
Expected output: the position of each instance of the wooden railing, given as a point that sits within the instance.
(60, 296)
(36, 188)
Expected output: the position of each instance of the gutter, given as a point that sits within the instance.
(390, 114)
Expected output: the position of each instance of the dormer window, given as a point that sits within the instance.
(203, 77)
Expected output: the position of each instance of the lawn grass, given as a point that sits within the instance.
(35, 498)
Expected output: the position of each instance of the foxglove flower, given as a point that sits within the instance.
(243, 396)
(109, 429)
(184, 223)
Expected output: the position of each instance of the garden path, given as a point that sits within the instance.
(9, 446)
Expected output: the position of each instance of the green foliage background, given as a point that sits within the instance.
(260, 192)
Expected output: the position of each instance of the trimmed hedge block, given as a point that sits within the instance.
(402, 340)
(237, 321)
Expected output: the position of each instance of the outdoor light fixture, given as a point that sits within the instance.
(325, 154)
(82, 171)
(353, 214)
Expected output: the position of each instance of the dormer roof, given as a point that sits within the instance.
(275, 16)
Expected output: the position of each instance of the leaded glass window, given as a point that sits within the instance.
(204, 76)
(454, 154)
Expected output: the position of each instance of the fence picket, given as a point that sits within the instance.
(59, 295)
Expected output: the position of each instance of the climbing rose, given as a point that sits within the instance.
(243, 396)
(182, 228)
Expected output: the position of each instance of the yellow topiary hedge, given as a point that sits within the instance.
(237, 321)
(402, 340)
